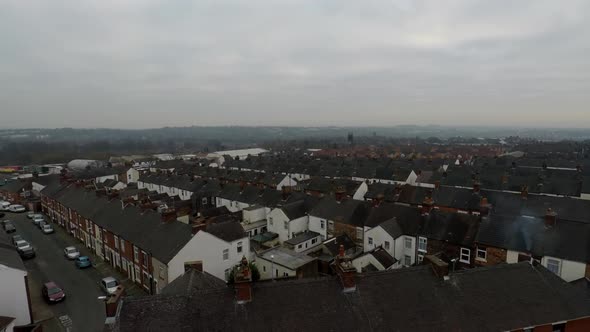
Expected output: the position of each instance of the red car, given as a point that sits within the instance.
(53, 293)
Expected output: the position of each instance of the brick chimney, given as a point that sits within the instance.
(484, 206)
(243, 282)
(427, 205)
(439, 267)
(112, 302)
(550, 218)
(345, 271)
(168, 215)
(524, 192)
(340, 193)
(476, 186)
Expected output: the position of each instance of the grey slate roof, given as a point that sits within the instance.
(350, 211)
(8, 255)
(566, 240)
(146, 230)
(383, 257)
(193, 281)
(429, 304)
(228, 231)
(305, 236)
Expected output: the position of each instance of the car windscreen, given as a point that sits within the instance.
(53, 290)
(71, 250)
(111, 284)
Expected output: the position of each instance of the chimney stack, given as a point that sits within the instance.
(550, 218)
(168, 215)
(436, 184)
(484, 207)
(113, 301)
(345, 271)
(243, 282)
(524, 192)
(439, 267)
(427, 205)
(476, 186)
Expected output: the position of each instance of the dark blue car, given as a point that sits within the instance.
(83, 262)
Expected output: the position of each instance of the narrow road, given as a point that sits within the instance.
(81, 309)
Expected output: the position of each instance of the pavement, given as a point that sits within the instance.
(81, 310)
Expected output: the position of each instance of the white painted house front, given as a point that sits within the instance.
(565, 269)
(217, 256)
(402, 248)
(13, 294)
(279, 223)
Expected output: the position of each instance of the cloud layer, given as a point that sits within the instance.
(154, 63)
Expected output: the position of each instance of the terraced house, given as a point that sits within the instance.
(138, 242)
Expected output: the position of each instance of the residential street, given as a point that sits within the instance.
(81, 309)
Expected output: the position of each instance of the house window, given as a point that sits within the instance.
(136, 254)
(370, 241)
(359, 233)
(286, 224)
(420, 258)
(330, 226)
(386, 245)
(239, 247)
(270, 221)
(204, 200)
(300, 246)
(162, 273)
(263, 268)
(122, 245)
(145, 258)
(285, 274)
(408, 241)
(322, 224)
(482, 254)
(313, 241)
(553, 265)
(422, 241)
(559, 327)
(116, 242)
(465, 256)
(407, 260)
(225, 254)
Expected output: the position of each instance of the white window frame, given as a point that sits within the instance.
(420, 259)
(122, 245)
(145, 261)
(422, 240)
(240, 247)
(554, 262)
(386, 245)
(116, 241)
(135, 254)
(204, 201)
(322, 224)
(485, 255)
(406, 241)
(370, 239)
(270, 221)
(465, 252)
(225, 254)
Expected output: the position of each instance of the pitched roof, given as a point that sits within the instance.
(192, 281)
(8, 255)
(227, 231)
(566, 240)
(456, 228)
(430, 304)
(348, 211)
(305, 236)
(383, 257)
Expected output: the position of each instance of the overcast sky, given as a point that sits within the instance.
(152, 63)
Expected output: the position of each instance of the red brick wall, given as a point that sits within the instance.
(587, 270)
(495, 256)
(580, 325)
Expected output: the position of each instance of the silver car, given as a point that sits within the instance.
(109, 285)
(71, 253)
(47, 229)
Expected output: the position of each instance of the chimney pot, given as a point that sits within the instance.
(550, 218)
(243, 282)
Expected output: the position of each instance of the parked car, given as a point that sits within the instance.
(9, 227)
(30, 215)
(52, 293)
(47, 229)
(26, 252)
(21, 244)
(4, 205)
(71, 253)
(109, 285)
(83, 262)
(17, 208)
(16, 238)
(41, 224)
(37, 219)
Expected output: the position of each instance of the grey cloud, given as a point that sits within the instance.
(152, 63)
